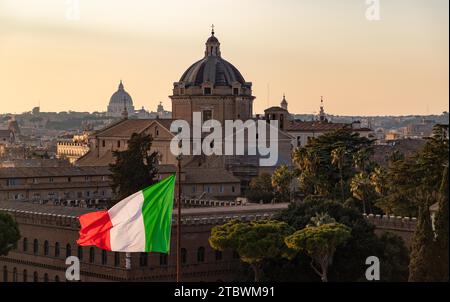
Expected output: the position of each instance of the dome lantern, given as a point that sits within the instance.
(212, 45)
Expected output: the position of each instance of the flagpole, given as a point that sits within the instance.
(179, 221)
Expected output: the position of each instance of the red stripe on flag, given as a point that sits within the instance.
(95, 230)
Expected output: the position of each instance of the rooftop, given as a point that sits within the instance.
(196, 212)
(26, 172)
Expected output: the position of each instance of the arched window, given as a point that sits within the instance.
(25, 275)
(15, 275)
(116, 259)
(143, 259)
(25, 244)
(35, 246)
(104, 257)
(46, 248)
(91, 255)
(219, 255)
(35, 277)
(163, 260)
(57, 250)
(183, 256)
(68, 250)
(80, 253)
(45, 277)
(201, 254)
(5, 274)
(56, 278)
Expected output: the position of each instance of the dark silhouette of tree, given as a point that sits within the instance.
(135, 168)
(9, 234)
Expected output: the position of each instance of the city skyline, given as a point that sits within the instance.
(302, 49)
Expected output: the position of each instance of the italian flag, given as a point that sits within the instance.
(139, 223)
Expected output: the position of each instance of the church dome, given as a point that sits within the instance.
(120, 101)
(121, 97)
(212, 68)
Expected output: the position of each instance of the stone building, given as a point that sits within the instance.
(214, 87)
(217, 90)
(302, 131)
(72, 149)
(49, 235)
(42, 184)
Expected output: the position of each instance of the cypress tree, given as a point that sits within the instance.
(421, 261)
(441, 229)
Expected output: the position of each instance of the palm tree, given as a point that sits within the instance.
(281, 181)
(361, 158)
(337, 159)
(379, 180)
(359, 187)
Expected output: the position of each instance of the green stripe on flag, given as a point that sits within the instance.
(157, 214)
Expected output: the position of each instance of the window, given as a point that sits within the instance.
(181, 91)
(35, 277)
(118, 144)
(25, 275)
(232, 189)
(235, 91)
(57, 250)
(5, 274)
(45, 277)
(69, 179)
(163, 260)
(206, 115)
(56, 279)
(193, 189)
(46, 248)
(221, 189)
(50, 179)
(11, 182)
(183, 256)
(201, 254)
(116, 259)
(156, 131)
(143, 259)
(207, 91)
(80, 253)
(104, 257)
(35, 246)
(15, 275)
(35, 180)
(87, 178)
(103, 143)
(219, 255)
(68, 250)
(25, 244)
(91, 255)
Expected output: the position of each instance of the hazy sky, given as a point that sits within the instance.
(304, 48)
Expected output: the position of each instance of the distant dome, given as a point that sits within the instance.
(121, 97)
(212, 68)
(119, 101)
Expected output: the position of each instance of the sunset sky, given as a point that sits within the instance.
(304, 48)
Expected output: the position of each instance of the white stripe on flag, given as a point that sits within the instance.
(128, 231)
